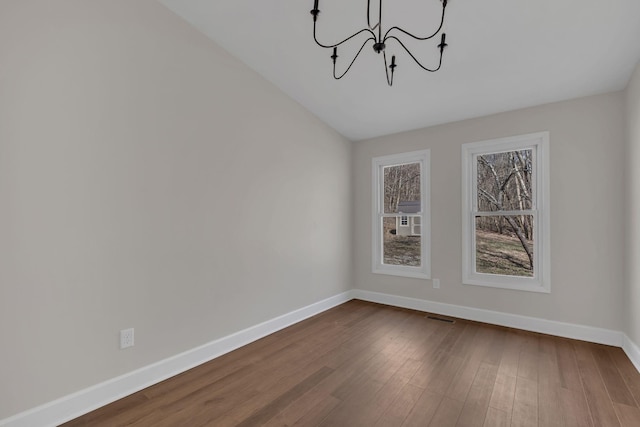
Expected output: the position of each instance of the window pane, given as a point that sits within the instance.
(402, 188)
(504, 181)
(400, 246)
(504, 245)
(416, 226)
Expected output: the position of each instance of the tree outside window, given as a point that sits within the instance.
(506, 213)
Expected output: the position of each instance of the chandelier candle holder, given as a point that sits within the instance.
(380, 41)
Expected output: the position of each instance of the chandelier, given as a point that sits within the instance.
(380, 41)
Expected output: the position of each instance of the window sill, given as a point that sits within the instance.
(531, 286)
(402, 272)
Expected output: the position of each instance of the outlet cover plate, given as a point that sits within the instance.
(126, 338)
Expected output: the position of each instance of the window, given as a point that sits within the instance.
(505, 213)
(401, 215)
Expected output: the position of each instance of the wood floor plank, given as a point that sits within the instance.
(371, 409)
(464, 344)
(550, 411)
(435, 354)
(395, 414)
(629, 416)
(629, 373)
(613, 381)
(511, 354)
(477, 402)
(348, 372)
(497, 336)
(447, 413)
(279, 403)
(235, 415)
(456, 332)
(598, 400)
(548, 367)
(440, 380)
(424, 410)
(575, 411)
(365, 398)
(463, 379)
(300, 406)
(497, 418)
(525, 403)
(432, 364)
(529, 359)
(365, 364)
(569, 374)
(316, 413)
(503, 393)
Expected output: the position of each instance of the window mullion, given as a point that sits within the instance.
(505, 213)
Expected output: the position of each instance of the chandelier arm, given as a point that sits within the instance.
(368, 17)
(364, 30)
(386, 35)
(386, 69)
(354, 60)
(415, 59)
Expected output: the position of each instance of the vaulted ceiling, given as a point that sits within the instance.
(502, 55)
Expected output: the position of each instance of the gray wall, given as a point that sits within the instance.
(587, 154)
(149, 180)
(632, 295)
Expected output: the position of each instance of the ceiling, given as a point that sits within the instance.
(502, 55)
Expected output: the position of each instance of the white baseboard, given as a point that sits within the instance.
(567, 330)
(84, 401)
(633, 351)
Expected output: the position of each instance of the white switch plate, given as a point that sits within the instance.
(126, 338)
(436, 283)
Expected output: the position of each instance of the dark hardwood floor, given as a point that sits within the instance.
(364, 364)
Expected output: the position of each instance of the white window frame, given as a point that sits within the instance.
(541, 280)
(422, 157)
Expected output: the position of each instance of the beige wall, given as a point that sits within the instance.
(128, 145)
(150, 180)
(587, 154)
(632, 295)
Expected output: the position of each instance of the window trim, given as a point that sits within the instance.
(541, 281)
(378, 164)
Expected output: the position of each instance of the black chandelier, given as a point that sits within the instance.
(380, 42)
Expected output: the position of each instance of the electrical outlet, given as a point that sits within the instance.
(126, 338)
(436, 283)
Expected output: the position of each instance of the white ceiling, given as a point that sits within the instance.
(502, 55)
